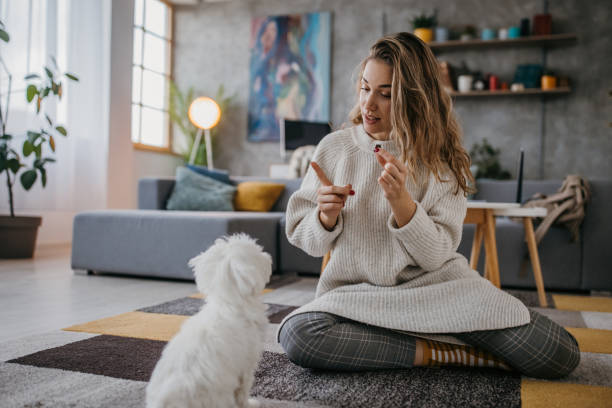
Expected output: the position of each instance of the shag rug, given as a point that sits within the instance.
(107, 363)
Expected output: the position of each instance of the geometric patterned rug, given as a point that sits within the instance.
(107, 362)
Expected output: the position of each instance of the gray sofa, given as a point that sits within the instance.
(154, 242)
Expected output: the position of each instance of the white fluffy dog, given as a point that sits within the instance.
(211, 362)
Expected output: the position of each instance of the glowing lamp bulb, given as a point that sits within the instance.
(204, 112)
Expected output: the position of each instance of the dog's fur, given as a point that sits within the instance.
(211, 362)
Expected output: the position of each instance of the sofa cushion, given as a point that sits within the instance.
(291, 185)
(217, 174)
(196, 192)
(257, 195)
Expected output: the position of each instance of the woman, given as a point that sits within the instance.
(387, 197)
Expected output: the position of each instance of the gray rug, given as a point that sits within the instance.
(69, 369)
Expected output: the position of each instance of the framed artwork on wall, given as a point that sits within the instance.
(289, 72)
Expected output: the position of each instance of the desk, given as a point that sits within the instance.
(483, 215)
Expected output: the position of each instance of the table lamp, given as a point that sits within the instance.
(204, 113)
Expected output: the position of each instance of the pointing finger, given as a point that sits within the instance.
(322, 177)
(381, 160)
(388, 157)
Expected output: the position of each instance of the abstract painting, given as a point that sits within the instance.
(289, 72)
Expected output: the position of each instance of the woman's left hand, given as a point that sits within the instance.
(393, 182)
(393, 177)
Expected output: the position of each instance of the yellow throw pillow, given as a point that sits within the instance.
(257, 195)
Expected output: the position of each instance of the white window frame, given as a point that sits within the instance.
(168, 145)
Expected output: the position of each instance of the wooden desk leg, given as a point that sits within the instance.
(535, 259)
(476, 244)
(491, 249)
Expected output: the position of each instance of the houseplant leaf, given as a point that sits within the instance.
(28, 178)
(61, 130)
(30, 92)
(14, 165)
(28, 148)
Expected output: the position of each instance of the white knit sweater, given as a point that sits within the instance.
(409, 279)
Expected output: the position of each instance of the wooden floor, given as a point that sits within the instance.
(42, 294)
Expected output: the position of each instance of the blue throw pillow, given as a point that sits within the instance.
(195, 192)
(220, 175)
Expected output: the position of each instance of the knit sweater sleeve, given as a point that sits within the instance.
(303, 226)
(433, 234)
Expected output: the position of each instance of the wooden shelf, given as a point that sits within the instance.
(533, 40)
(528, 91)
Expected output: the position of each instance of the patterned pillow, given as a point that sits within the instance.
(196, 192)
(257, 195)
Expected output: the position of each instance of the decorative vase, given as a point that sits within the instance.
(441, 34)
(548, 82)
(425, 34)
(18, 236)
(493, 82)
(464, 83)
(487, 34)
(514, 32)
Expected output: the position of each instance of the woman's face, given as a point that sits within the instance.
(375, 99)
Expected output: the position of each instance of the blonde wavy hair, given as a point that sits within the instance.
(423, 122)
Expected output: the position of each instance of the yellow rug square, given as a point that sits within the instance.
(546, 394)
(140, 325)
(592, 340)
(583, 303)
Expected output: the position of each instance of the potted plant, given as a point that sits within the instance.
(485, 158)
(469, 33)
(423, 26)
(18, 234)
(179, 106)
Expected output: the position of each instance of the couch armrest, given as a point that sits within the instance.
(153, 192)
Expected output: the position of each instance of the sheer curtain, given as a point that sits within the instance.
(77, 33)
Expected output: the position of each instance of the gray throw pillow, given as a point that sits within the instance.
(196, 192)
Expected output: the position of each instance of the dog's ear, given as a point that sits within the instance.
(204, 270)
(245, 279)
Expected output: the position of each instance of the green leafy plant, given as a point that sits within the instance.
(486, 158)
(38, 90)
(178, 109)
(424, 21)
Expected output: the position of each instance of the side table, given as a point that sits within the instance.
(483, 215)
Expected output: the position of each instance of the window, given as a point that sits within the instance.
(151, 74)
(26, 52)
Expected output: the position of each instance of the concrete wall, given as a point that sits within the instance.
(212, 48)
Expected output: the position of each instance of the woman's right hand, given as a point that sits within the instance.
(330, 198)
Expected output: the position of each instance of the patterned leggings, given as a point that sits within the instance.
(540, 349)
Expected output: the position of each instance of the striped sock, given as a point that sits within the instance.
(437, 354)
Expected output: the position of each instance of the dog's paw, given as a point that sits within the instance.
(253, 403)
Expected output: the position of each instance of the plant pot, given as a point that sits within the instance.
(18, 236)
(425, 34)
